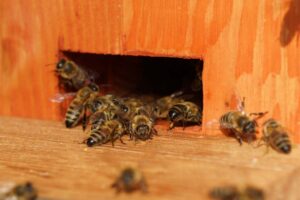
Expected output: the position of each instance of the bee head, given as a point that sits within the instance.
(90, 142)
(286, 149)
(60, 64)
(127, 176)
(249, 127)
(94, 87)
(173, 114)
(143, 132)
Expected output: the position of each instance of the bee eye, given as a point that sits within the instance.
(172, 114)
(124, 108)
(93, 87)
(90, 142)
(61, 64)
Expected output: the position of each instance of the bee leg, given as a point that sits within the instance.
(259, 114)
(84, 120)
(183, 125)
(143, 186)
(171, 126)
(121, 140)
(154, 131)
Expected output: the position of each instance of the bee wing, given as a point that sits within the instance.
(59, 97)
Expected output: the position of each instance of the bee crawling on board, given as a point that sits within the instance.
(184, 112)
(234, 193)
(141, 125)
(276, 136)
(130, 180)
(162, 105)
(239, 124)
(71, 75)
(24, 191)
(109, 131)
(76, 107)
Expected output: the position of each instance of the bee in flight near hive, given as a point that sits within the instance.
(76, 107)
(130, 180)
(233, 193)
(24, 191)
(109, 131)
(241, 125)
(71, 75)
(276, 136)
(184, 112)
(142, 125)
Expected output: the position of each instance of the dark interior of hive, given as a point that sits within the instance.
(143, 76)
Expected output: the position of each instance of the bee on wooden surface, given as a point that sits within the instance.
(185, 112)
(130, 180)
(109, 131)
(276, 136)
(241, 125)
(162, 105)
(142, 126)
(24, 191)
(76, 107)
(71, 75)
(97, 103)
(233, 193)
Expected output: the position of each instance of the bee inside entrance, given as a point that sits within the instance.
(142, 76)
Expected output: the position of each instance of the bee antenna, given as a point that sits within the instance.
(50, 64)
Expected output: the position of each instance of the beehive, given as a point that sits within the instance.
(248, 49)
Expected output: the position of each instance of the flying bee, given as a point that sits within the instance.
(24, 191)
(233, 193)
(162, 105)
(185, 112)
(241, 125)
(76, 107)
(276, 136)
(109, 131)
(71, 74)
(130, 180)
(142, 126)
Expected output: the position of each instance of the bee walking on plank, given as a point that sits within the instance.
(109, 131)
(130, 180)
(185, 112)
(76, 107)
(276, 136)
(241, 125)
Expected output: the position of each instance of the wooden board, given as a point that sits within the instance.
(176, 165)
(249, 49)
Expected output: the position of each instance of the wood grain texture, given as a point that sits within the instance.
(176, 165)
(249, 48)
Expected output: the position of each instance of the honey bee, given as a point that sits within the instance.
(276, 136)
(100, 117)
(97, 103)
(233, 193)
(185, 112)
(109, 131)
(76, 107)
(24, 191)
(71, 74)
(241, 125)
(162, 105)
(130, 180)
(142, 126)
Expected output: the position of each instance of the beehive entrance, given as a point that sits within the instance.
(143, 76)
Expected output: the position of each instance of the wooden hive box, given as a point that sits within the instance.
(248, 48)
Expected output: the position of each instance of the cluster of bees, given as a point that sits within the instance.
(245, 127)
(110, 117)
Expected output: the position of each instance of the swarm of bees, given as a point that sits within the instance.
(111, 117)
(233, 193)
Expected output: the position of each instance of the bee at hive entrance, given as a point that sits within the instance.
(161, 82)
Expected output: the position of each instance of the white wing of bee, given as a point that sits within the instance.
(59, 97)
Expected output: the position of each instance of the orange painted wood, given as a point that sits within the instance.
(249, 48)
(176, 165)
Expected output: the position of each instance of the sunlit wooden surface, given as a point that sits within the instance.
(176, 165)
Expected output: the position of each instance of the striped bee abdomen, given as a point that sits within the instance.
(73, 114)
(280, 142)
